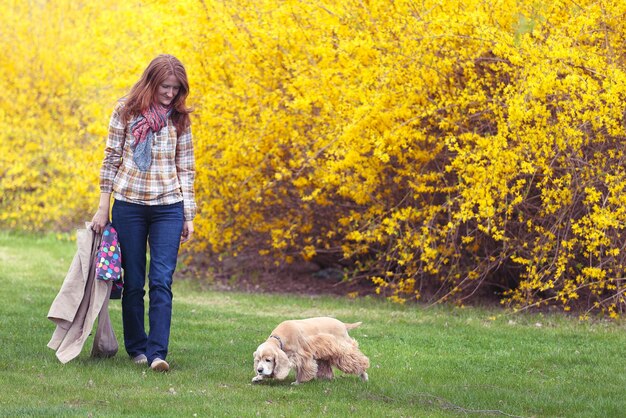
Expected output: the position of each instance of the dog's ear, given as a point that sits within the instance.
(281, 365)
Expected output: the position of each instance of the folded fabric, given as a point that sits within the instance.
(109, 264)
(79, 302)
(109, 261)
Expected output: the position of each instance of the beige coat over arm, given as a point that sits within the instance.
(81, 299)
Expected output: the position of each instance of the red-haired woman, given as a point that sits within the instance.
(149, 168)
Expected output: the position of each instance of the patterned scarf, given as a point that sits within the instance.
(143, 129)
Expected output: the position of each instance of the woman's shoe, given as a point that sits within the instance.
(140, 359)
(159, 365)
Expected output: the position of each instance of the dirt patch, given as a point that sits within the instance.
(305, 284)
(304, 279)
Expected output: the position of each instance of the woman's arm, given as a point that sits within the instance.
(186, 169)
(110, 165)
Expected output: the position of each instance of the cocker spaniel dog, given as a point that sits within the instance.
(312, 347)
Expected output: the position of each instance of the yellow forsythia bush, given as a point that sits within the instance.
(442, 149)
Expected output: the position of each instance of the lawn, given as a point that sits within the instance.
(437, 361)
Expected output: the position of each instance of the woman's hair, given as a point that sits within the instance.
(143, 93)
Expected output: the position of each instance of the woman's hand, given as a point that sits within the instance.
(100, 220)
(187, 232)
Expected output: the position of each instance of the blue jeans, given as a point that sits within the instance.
(160, 227)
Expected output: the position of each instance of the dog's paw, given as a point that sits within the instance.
(258, 378)
(295, 383)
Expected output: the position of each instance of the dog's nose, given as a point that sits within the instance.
(260, 369)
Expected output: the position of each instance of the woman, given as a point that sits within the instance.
(149, 168)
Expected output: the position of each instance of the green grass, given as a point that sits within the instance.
(425, 362)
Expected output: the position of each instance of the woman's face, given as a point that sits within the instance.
(167, 90)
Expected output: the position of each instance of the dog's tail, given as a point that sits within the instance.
(352, 326)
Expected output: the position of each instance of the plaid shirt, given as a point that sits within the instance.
(170, 176)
